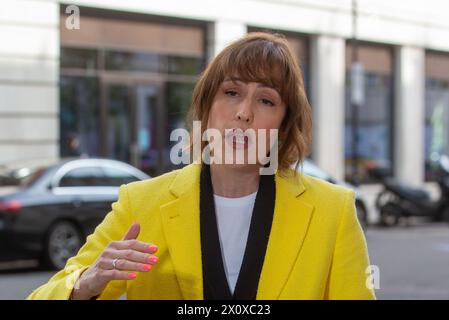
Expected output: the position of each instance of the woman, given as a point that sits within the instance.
(224, 231)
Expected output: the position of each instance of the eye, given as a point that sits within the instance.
(267, 102)
(231, 93)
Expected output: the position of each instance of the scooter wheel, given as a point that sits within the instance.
(446, 215)
(389, 215)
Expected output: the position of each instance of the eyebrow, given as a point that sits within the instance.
(260, 85)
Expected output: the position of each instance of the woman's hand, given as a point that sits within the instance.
(128, 255)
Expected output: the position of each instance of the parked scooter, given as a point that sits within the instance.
(397, 200)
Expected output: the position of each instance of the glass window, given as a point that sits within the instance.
(178, 97)
(184, 65)
(132, 61)
(125, 115)
(437, 112)
(116, 177)
(375, 129)
(79, 116)
(148, 132)
(79, 58)
(119, 132)
(83, 177)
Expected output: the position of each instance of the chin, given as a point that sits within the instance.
(242, 167)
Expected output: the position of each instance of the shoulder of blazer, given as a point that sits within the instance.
(328, 199)
(307, 186)
(322, 187)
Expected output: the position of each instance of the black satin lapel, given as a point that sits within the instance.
(259, 232)
(215, 284)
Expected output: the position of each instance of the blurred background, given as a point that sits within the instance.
(91, 89)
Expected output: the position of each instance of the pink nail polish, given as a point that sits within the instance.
(152, 248)
(152, 259)
(132, 275)
(147, 267)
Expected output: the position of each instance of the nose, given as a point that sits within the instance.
(242, 117)
(244, 112)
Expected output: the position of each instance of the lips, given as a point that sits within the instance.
(237, 139)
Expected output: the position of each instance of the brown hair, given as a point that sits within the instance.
(266, 58)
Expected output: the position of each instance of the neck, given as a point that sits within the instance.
(234, 182)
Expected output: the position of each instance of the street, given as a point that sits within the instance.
(18, 284)
(413, 264)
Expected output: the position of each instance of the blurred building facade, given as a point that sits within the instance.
(120, 83)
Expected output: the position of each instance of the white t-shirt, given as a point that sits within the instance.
(233, 220)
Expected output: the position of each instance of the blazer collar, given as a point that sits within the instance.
(189, 176)
(181, 226)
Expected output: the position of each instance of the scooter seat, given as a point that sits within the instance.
(407, 192)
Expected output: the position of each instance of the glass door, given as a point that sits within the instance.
(131, 124)
(149, 135)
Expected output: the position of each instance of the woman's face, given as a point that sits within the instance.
(241, 105)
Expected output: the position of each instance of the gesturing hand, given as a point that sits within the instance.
(120, 260)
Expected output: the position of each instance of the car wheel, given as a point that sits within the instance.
(62, 242)
(361, 214)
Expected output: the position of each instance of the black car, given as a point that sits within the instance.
(48, 209)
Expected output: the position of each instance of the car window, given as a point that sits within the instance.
(84, 177)
(116, 177)
(32, 178)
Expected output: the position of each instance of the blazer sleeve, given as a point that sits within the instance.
(112, 228)
(348, 278)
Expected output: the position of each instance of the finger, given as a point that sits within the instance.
(133, 232)
(124, 265)
(108, 275)
(135, 245)
(132, 255)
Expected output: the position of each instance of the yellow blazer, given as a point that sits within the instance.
(316, 248)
